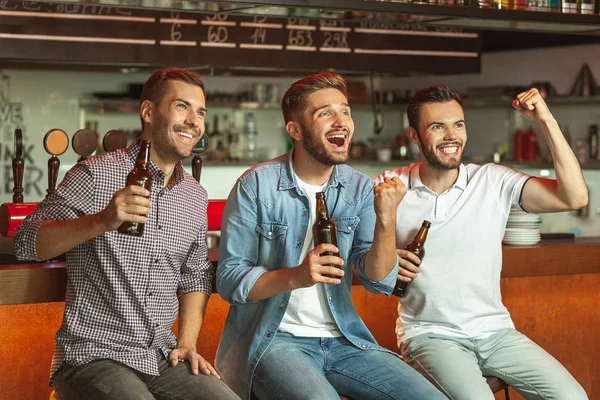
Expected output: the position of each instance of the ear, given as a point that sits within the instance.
(146, 109)
(294, 130)
(413, 135)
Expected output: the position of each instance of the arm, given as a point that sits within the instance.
(192, 307)
(381, 258)
(568, 191)
(128, 204)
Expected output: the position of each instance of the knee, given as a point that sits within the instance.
(571, 391)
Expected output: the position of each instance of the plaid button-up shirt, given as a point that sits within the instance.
(122, 291)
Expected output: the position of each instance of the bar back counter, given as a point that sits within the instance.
(552, 291)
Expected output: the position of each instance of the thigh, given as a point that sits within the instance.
(100, 380)
(527, 367)
(292, 369)
(179, 382)
(376, 375)
(450, 365)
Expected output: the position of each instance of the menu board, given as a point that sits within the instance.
(98, 34)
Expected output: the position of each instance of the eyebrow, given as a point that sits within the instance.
(441, 123)
(187, 103)
(331, 105)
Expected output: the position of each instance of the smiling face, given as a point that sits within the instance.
(325, 129)
(442, 134)
(176, 123)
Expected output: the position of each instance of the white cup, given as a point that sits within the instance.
(384, 155)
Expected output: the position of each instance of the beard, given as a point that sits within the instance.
(164, 144)
(319, 150)
(436, 162)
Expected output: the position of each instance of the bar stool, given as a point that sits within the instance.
(496, 384)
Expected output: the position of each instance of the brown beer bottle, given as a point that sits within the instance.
(139, 176)
(324, 228)
(415, 247)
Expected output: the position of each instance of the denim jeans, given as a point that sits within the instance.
(111, 380)
(457, 366)
(296, 368)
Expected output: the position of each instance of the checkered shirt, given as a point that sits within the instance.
(122, 291)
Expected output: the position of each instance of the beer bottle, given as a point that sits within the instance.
(139, 176)
(415, 247)
(324, 228)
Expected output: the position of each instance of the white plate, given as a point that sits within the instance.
(520, 242)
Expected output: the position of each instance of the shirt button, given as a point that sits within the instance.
(270, 233)
(157, 325)
(364, 346)
(251, 366)
(269, 334)
(305, 212)
(349, 228)
(298, 244)
(149, 294)
(330, 298)
(282, 305)
(160, 227)
(156, 260)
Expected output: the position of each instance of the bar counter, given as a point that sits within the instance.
(552, 291)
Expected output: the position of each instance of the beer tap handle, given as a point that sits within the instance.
(197, 167)
(18, 165)
(56, 142)
(199, 148)
(53, 165)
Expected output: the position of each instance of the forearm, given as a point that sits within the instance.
(273, 283)
(192, 307)
(71, 233)
(381, 258)
(571, 185)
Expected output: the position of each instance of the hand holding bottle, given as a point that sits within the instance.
(319, 267)
(130, 204)
(408, 265)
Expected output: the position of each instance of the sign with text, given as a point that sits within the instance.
(92, 33)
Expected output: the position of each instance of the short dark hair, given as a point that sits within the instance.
(154, 88)
(295, 100)
(432, 94)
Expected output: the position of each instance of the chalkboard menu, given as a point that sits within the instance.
(99, 34)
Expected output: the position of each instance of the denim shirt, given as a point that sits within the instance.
(264, 226)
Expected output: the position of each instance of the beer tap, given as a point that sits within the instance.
(114, 140)
(18, 166)
(56, 142)
(84, 143)
(199, 148)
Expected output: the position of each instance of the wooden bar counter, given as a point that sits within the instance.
(552, 291)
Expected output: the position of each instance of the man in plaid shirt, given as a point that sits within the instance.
(124, 292)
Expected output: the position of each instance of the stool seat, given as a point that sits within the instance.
(496, 384)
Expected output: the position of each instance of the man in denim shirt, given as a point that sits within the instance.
(292, 330)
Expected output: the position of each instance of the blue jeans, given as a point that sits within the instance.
(457, 366)
(111, 380)
(295, 368)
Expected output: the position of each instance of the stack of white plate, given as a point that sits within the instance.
(522, 229)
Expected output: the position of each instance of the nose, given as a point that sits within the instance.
(193, 119)
(339, 120)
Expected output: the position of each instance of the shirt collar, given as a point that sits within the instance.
(340, 175)
(415, 178)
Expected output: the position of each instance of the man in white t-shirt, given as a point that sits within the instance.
(292, 331)
(452, 325)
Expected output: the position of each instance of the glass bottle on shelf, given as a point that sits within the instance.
(250, 136)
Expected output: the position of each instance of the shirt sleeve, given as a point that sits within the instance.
(237, 271)
(73, 199)
(510, 184)
(197, 272)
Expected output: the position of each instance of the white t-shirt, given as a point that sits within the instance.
(308, 312)
(457, 292)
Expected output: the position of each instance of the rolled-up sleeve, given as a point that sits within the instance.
(73, 198)
(363, 239)
(237, 271)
